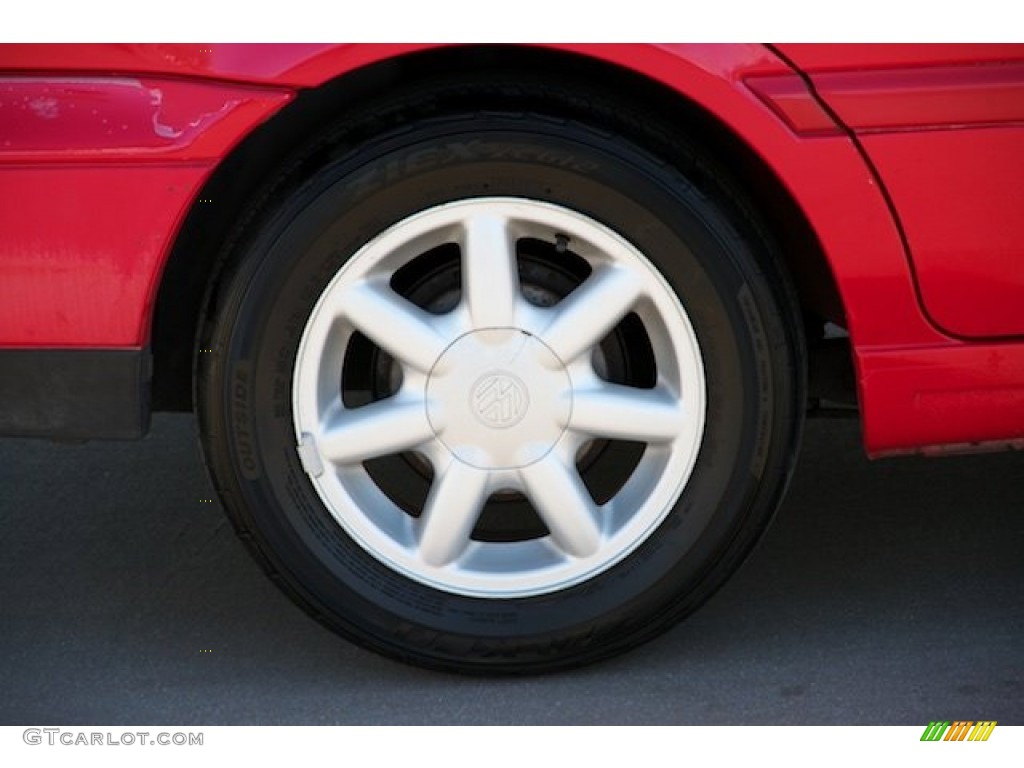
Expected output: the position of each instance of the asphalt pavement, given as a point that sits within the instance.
(886, 593)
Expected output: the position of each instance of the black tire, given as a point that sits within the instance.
(419, 151)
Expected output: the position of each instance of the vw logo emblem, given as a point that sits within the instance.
(499, 400)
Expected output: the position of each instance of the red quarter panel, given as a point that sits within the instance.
(944, 127)
(95, 175)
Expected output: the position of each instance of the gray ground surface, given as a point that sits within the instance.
(886, 593)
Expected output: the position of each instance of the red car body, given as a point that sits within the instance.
(902, 162)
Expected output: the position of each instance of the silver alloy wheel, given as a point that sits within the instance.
(498, 394)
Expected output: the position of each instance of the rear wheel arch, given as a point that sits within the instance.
(245, 180)
(341, 227)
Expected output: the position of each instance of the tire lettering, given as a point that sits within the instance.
(243, 431)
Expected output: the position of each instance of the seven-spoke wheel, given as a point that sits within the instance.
(498, 395)
(501, 390)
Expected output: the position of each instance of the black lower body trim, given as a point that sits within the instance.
(74, 394)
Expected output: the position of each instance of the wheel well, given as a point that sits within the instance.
(291, 138)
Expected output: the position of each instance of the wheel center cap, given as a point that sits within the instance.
(498, 398)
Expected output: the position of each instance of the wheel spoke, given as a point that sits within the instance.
(587, 314)
(490, 273)
(452, 508)
(626, 413)
(398, 326)
(379, 429)
(564, 504)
